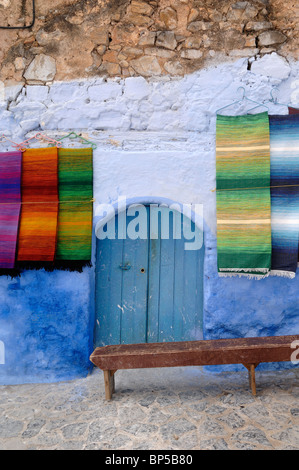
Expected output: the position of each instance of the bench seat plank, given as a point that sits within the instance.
(195, 353)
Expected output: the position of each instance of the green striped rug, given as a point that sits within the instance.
(243, 195)
(75, 176)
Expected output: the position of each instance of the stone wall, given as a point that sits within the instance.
(72, 38)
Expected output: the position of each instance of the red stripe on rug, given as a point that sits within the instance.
(39, 214)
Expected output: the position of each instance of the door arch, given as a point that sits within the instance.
(149, 289)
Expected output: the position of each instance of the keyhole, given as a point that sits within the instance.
(142, 270)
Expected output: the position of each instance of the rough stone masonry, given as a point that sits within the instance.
(75, 38)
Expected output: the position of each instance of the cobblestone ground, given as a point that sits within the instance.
(158, 409)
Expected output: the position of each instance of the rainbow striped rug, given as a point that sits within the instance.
(10, 205)
(243, 195)
(74, 237)
(284, 145)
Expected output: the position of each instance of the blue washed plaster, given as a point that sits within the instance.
(237, 307)
(46, 325)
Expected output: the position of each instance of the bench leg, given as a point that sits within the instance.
(109, 383)
(251, 373)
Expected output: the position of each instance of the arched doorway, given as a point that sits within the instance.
(149, 278)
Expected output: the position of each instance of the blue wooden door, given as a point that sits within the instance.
(148, 289)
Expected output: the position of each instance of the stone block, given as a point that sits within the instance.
(29, 125)
(166, 39)
(271, 65)
(193, 15)
(105, 91)
(110, 68)
(258, 25)
(19, 63)
(41, 69)
(141, 8)
(242, 11)
(139, 20)
(64, 92)
(11, 90)
(112, 120)
(45, 38)
(169, 18)
(159, 52)
(268, 38)
(136, 88)
(174, 68)
(37, 92)
(147, 38)
(250, 41)
(146, 66)
(101, 49)
(191, 54)
(199, 26)
(132, 51)
(110, 56)
(166, 120)
(193, 42)
(244, 52)
(102, 36)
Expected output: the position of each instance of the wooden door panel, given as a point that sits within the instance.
(148, 290)
(108, 292)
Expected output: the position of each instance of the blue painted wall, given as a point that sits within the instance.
(240, 307)
(46, 324)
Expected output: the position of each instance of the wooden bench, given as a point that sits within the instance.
(247, 351)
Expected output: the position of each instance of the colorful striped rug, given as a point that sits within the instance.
(75, 212)
(243, 195)
(10, 205)
(284, 144)
(38, 223)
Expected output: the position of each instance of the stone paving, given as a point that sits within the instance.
(158, 409)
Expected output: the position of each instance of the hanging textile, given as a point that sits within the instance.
(10, 205)
(284, 147)
(243, 195)
(293, 110)
(38, 223)
(75, 214)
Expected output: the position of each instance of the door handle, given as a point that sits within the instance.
(125, 267)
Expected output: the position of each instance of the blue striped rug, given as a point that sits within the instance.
(284, 150)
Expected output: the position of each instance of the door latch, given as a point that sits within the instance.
(125, 267)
